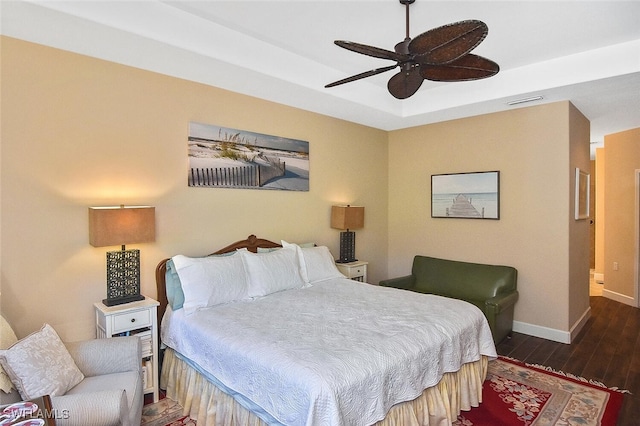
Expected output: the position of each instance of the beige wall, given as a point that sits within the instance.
(621, 163)
(532, 148)
(579, 230)
(79, 132)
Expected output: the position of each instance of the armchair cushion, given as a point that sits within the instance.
(109, 365)
(40, 364)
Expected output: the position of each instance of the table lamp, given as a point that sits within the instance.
(112, 226)
(347, 218)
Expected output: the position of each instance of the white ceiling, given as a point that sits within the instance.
(584, 51)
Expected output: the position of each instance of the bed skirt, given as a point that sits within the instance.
(209, 406)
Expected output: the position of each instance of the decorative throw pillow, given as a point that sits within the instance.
(175, 295)
(210, 281)
(273, 271)
(7, 338)
(319, 264)
(40, 365)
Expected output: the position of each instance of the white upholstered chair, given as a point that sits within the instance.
(109, 394)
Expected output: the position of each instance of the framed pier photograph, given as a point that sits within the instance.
(474, 195)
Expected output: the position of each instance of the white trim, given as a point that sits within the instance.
(552, 333)
(543, 332)
(622, 298)
(636, 293)
(579, 325)
(598, 277)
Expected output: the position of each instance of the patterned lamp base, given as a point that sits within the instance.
(123, 277)
(347, 247)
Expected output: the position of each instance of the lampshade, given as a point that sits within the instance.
(112, 226)
(347, 217)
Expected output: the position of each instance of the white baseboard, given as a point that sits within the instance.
(542, 332)
(598, 277)
(627, 300)
(551, 333)
(577, 327)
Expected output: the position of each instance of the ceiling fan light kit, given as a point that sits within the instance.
(440, 54)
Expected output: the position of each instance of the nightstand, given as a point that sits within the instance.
(355, 270)
(134, 319)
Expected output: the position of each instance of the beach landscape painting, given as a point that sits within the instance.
(221, 157)
(474, 195)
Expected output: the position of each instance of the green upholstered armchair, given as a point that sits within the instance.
(492, 288)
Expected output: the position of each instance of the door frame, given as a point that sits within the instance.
(636, 293)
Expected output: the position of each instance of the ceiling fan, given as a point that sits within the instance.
(440, 54)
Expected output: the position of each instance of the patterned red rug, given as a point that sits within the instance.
(516, 394)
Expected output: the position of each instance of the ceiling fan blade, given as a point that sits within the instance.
(376, 52)
(361, 75)
(405, 83)
(469, 67)
(447, 43)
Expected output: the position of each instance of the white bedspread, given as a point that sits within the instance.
(336, 353)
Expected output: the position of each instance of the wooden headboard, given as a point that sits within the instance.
(252, 243)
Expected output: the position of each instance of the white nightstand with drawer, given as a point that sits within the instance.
(134, 319)
(354, 270)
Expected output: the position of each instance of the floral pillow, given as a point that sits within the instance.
(40, 365)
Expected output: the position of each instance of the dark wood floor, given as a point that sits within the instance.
(607, 349)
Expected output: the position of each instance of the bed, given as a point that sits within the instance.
(261, 333)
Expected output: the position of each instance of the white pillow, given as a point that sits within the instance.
(211, 281)
(319, 264)
(272, 272)
(40, 365)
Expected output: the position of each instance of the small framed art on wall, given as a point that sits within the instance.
(474, 195)
(583, 181)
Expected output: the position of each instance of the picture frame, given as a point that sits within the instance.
(470, 195)
(221, 157)
(583, 182)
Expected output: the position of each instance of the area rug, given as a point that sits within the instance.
(517, 394)
(165, 412)
(514, 394)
